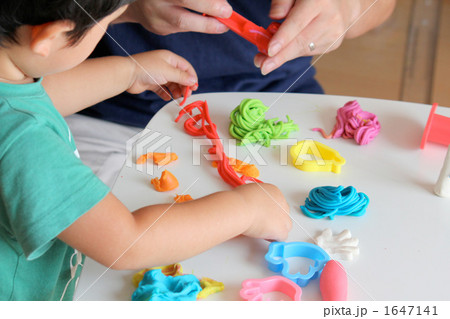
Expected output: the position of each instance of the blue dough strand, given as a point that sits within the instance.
(329, 201)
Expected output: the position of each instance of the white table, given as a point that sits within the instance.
(404, 236)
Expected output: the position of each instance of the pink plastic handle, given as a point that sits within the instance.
(437, 129)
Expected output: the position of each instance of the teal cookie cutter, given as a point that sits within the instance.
(279, 251)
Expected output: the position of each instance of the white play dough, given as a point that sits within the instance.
(341, 244)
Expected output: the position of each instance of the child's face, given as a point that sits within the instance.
(70, 56)
(62, 56)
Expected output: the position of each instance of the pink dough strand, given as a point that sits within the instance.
(318, 129)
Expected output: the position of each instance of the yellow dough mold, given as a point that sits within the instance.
(312, 156)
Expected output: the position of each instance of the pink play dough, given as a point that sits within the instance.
(352, 122)
(333, 282)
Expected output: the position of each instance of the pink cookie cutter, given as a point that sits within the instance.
(254, 289)
(437, 129)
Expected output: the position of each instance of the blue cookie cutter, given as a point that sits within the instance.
(279, 251)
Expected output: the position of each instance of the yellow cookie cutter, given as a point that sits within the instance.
(312, 156)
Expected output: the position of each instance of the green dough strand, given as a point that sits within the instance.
(248, 124)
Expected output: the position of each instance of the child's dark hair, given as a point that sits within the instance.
(84, 13)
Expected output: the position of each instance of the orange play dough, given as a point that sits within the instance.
(158, 158)
(167, 182)
(182, 198)
(241, 167)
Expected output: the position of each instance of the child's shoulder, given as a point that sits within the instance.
(20, 125)
(14, 121)
(26, 108)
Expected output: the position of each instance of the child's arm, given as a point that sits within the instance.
(98, 79)
(163, 234)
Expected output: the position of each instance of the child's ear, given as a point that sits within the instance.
(45, 37)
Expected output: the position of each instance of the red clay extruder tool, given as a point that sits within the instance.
(250, 31)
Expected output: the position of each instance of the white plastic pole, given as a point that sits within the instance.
(443, 184)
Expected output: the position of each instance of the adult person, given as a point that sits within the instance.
(223, 61)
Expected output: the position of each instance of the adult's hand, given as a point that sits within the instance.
(170, 16)
(325, 23)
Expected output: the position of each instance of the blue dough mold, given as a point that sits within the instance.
(279, 251)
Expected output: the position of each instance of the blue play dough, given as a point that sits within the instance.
(329, 201)
(155, 286)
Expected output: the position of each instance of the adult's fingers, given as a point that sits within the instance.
(182, 20)
(215, 8)
(186, 20)
(165, 17)
(301, 15)
(280, 8)
(322, 38)
(259, 59)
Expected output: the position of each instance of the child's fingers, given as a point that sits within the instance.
(181, 77)
(163, 93)
(182, 65)
(175, 89)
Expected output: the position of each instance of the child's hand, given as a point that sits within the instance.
(270, 211)
(161, 71)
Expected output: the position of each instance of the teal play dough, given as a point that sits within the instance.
(155, 286)
(329, 201)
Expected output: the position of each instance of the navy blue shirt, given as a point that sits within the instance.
(224, 63)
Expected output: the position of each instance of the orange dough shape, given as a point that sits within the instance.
(241, 167)
(246, 169)
(164, 158)
(158, 158)
(182, 198)
(143, 158)
(167, 182)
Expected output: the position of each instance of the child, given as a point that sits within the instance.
(51, 205)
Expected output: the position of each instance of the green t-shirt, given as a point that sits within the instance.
(44, 188)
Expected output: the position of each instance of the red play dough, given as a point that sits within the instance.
(333, 282)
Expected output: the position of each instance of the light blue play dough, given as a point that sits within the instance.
(155, 286)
